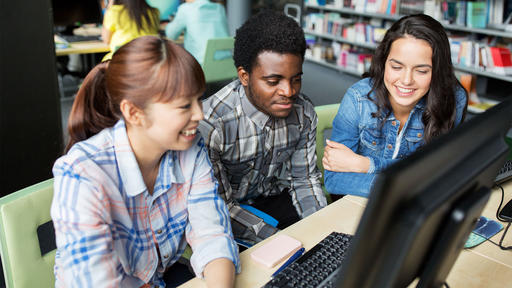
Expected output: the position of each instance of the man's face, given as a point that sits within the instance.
(274, 82)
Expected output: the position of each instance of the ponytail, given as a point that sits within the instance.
(92, 109)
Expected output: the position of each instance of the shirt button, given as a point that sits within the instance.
(159, 231)
(166, 256)
(419, 135)
(374, 143)
(390, 146)
(393, 123)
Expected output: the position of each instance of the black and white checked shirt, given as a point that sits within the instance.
(254, 154)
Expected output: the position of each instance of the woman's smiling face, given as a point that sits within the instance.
(408, 72)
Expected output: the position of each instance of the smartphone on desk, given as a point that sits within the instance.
(485, 228)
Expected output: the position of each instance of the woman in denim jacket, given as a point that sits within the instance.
(410, 97)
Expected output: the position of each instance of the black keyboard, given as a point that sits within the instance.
(80, 38)
(505, 172)
(317, 267)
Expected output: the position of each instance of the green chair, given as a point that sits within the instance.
(22, 214)
(326, 114)
(223, 68)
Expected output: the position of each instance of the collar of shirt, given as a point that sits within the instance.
(129, 171)
(259, 118)
(421, 104)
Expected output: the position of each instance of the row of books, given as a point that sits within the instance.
(368, 6)
(473, 14)
(477, 55)
(411, 7)
(335, 25)
(343, 55)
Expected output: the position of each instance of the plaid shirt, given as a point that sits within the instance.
(108, 227)
(254, 154)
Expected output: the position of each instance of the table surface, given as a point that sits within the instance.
(85, 47)
(96, 46)
(483, 266)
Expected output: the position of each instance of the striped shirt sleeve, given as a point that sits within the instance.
(83, 236)
(307, 194)
(209, 229)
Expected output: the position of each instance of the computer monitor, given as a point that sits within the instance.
(422, 209)
(69, 14)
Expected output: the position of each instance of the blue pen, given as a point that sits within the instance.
(290, 261)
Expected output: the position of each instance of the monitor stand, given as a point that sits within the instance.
(462, 220)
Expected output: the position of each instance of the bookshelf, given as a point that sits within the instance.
(452, 27)
(369, 46)
(351, 12)
(333, 66)
(490, 32)
(372, 46)
(483, 73)
(366, 45)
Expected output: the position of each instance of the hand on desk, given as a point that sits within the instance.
(340, 158)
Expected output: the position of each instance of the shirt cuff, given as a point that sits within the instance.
(308, 212)
(210, 250)
(311, 203)
(372, 167)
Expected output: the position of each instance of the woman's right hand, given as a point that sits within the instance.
(340, 158)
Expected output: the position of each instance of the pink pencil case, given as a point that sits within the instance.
(276, 250)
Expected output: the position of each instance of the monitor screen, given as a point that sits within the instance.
(76, 12)
(422, 209)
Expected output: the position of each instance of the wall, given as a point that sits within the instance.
(30, 127)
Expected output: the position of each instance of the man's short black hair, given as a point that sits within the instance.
(267, 31)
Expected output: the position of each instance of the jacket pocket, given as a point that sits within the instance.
(371, 142)
(414, 139)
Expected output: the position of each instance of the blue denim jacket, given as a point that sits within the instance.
(358, 130)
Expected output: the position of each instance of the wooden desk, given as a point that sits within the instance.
(483, 266)
(86, 47)
(90, 47)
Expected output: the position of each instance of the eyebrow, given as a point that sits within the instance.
(417, 66)
(280, 76)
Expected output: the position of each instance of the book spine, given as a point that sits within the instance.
(476, 15)
(461, 13)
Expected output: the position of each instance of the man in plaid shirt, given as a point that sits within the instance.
(260, 131)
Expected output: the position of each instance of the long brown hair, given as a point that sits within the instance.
(146, 69)
(440, 111)
(139, 10)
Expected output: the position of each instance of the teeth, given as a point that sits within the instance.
(403, 90)
(189, 132)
